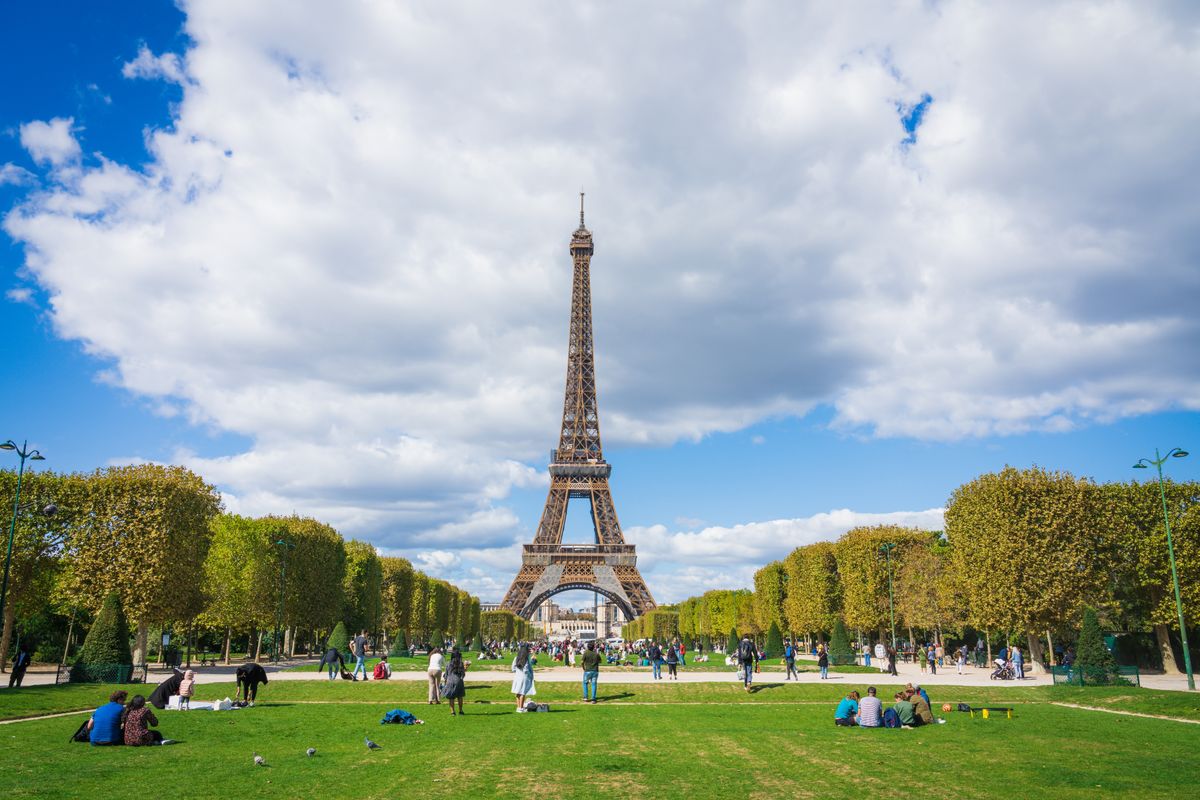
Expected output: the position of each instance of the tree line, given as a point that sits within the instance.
(1023, 553)
(156, 537)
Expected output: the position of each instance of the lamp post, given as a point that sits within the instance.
(886, 549)
(283, 546)
(1158, 461)
(24, 453)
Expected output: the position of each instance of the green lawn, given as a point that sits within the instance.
(673, 740)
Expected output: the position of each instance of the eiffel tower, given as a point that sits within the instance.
(578, 469)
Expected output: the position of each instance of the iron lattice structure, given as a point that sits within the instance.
(578, 469)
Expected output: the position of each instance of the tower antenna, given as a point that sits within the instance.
(581, 209)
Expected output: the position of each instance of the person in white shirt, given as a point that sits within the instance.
(881, 656)
(437, 663)
(870, 710)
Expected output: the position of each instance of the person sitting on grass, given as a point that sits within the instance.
(847, 710)
(138, 719)
(104, 728)
(870, 710)
(904, 709)
(383, 670)
(921, 711)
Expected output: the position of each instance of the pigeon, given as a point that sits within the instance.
(259, 760)
(312, 751)
(371, 745)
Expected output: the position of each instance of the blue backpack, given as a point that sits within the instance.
(891, 719)
(398, 717)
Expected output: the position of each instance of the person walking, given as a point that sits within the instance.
(359, 649)
(19, 665)
(823, 661)
(334, 661)
(962, 658)
(866, 654)
(979, 651)
(748, 658)
(523, 685)
(456, 686)
(591, 672)
(932, 660)
(789, 658)
(891, 660)
(434, 672)
(672, 662)
(924, 660)
(881, 656)
(654, 654)
(1018, 662)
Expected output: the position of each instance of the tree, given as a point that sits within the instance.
(419, 619)
(814, 593)
(839, 645)
(339, 638)
(436, 640)
(746, 622)
(316, 569)
(862, 570)
(770, 593)
(397, 592)
(362, 586)
(240, 580)
(731, 644)
(1026, 548)
(1140, 572)
(439, 605)
(142, 531)
(924, 594)
(774, 640)
(477, 644)
(400, 644)
(106, 644)
(1093, 661)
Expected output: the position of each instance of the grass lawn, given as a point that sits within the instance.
(420, 663)
(676, 740)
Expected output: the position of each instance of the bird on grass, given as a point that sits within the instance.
(371, 745)
(259, 760)
(312, 751)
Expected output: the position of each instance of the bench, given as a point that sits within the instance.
(986, 711)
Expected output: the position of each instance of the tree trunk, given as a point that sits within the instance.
(987, 638)
(70, 632)
(139, 643)
(287, 643)
(228, 644)
(1035, 650)
(1049, 649)
(258, 646)
(1161, 633)
(10, 615)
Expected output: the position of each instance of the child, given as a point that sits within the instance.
(186, 688)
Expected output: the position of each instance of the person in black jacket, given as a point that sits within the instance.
(165, 690)
(747, 655)
(333, 659)
(19, 665)
(249, 676)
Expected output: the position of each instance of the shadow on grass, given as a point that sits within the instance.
(608, 698)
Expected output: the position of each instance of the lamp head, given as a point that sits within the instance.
(9, 445)
(1180, 453)
(37, 456)
(1139, 465)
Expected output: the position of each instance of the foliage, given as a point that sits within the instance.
(400, 644)
(107, 640)
(240, 576)
(862, 569)
(397, 589)
(774, 640)
(770, 591)
(339, 638)
(1026, 548)
(361, 586)
(839, 645)
(814, 593)
(924, 590)
(419, 615)
(436, 639)
(1093, 661)
(477, 643)
(500, 625)
(731, 643)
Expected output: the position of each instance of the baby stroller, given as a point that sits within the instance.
(1004, 671)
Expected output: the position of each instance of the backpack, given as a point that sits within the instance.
(891, 719)
(379, 673)
(82, 734)
(746, 651)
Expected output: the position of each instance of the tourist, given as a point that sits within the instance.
(654, 655)
(891, 660)
(924, 660)
(789, 658)
(823, 661)
(847, 710)
(332, 659)
(104, 728)
(904, 709)
(980, 646)
(672, 662)
(591, 673)
(523, 685)
(962, 658)
(19, 665)
(921, 711)
(933, 662)
(748, 657)
(138, 719)
(917, 690)
(682, 653)
(881, 655)
(1018, 662)
(166, 690)
(434, 673)
(187, 687)
(358, 649)
(870, 710)
(456, 685)
(383, 670)
(866, 654)
(940, 653)
(249, 676)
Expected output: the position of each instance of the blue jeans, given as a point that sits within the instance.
(360, 663)
(824, 672)
(657, 664)
(866, 659)
(589, 679)
(748, 672)
(333, 671)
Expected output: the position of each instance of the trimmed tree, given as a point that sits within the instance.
(339, 638)
(839, 645)
(106, 645)
(1094, 663)
(774, 640)
(436, 640)
(477, 645)
(732, 645)
(400, 644)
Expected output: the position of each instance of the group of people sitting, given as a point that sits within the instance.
(911, 709)
(118, 722)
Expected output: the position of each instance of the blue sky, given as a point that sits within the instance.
(321, 260)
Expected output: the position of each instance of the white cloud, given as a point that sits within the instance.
(350, 245)
(21, 294)
(50, 142)
(167, 66)
(12, 175)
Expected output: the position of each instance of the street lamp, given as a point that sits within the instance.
(886, 549)
(283, 546)
(24, 453)
(1158, 461)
